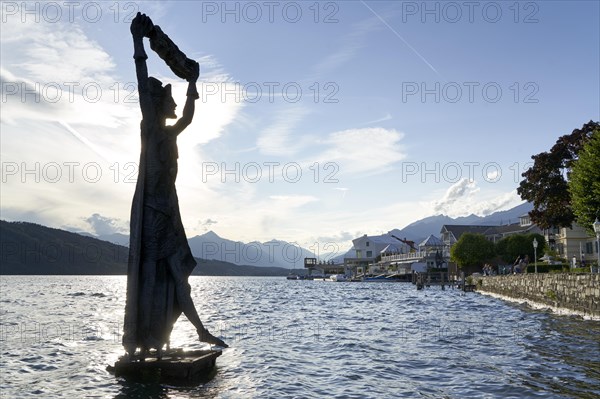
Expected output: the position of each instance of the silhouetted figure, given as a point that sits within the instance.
(160, 259)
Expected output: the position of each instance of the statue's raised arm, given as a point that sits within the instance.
(188, 109)
(141, 27)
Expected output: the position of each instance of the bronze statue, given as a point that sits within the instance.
(160, 259)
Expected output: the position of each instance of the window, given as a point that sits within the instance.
(369, 254)
(367, 243)
(358, 253)
(589, 248)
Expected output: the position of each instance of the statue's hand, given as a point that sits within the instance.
(141, 25)
(195, 74)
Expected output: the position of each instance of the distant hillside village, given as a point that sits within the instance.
(388, 254)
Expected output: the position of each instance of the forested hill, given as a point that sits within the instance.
(28, 248)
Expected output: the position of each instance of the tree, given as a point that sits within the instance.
(509, 248)
(584, 183)
(545, 183)
(471, 250)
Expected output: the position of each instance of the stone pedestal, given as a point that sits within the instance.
(175, 366)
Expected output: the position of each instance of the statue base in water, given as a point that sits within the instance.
(175, 366)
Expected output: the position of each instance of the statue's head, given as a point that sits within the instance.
(162, 98)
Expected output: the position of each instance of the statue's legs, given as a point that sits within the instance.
(184, 298)
(146, 307)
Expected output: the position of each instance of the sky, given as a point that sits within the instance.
(317, 122)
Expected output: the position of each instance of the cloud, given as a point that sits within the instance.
(293, 201)
(206, 224)
(276, 139)
(414, 50)
(342, 236)
(102, 225)
(348, 46)
(457, 192)
(465, 197)
(344, 190)
(53, 52)
(63, 125)
(498, 203)
(371, 150)
(384, 118)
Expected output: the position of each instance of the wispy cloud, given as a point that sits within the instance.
(278, 138)
(293, 201)
(414, 50)
(366, 150)
(384, 118)
(344, 190)
(347, 47)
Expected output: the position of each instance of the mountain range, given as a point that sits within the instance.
(29, 248)
(274, 253)
(421, 229)
(32, 249)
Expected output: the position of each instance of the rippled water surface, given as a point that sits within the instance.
(304, 339)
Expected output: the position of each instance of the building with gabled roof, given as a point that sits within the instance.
(568, 242)
(525, 226)
(368, 248)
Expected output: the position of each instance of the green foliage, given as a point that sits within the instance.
(545, 268)
(581, 269)
(509, 248)
(545, 183)
(584, 183)
(551, 295)
(472, 250)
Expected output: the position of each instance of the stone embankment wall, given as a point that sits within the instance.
(575, 293)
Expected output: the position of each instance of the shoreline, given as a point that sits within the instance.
(561, 311)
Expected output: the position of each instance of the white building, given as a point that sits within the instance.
(367, 249)
(575, 241)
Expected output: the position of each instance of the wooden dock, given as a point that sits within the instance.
(428, 279)
(175, 366)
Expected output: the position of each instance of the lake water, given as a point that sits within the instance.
(300, 339)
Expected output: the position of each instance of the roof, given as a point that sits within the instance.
(383, 239)
(514, 228)
(459, 229)
(391, 248)
(380, 239)
(431, 241)
(510, 228)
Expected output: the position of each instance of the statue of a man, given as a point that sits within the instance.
(160, 259)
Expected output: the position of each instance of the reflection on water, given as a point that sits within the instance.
(300, 339)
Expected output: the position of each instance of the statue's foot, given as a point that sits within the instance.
(207, 337)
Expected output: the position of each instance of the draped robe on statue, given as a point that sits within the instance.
(157, 239)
